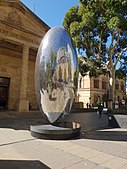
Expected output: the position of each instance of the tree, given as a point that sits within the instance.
(99, 29)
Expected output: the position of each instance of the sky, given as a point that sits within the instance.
(52, 12)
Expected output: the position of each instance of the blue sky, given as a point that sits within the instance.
(50, 11)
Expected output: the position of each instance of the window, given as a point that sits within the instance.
(103, 84)
(96, 83)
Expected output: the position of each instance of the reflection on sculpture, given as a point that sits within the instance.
(56, 74)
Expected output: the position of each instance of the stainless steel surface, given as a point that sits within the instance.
(56, 74)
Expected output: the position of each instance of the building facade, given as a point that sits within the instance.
(21, 32)
(95, 90)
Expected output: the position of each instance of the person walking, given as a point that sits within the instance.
(100, 108)
(87, 105)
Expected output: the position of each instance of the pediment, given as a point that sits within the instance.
(17, 15)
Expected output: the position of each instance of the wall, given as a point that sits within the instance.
(11, 67)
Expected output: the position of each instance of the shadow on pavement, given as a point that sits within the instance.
(21, 121)
(22, 164)
(106, 134)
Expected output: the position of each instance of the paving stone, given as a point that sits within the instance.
(8, 152)
(124, 167)
(101, 158)
(123, 155)
(83, 165)
(115, 163)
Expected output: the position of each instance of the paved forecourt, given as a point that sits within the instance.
(100, 149)
(20, 148)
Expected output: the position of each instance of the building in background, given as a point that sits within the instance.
(20, 34)
(95, 90)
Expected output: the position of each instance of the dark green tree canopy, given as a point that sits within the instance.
(99, 29)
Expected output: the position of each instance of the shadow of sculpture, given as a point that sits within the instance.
(22, 164)
(106, 134)
(22, 122)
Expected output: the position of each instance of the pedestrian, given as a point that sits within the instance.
(100, 108)
(87, 105)
(90, 106)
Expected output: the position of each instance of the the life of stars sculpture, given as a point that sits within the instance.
(56, 78)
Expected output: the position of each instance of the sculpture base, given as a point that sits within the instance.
(64, 130)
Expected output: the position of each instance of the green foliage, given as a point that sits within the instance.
(70, 17)
(121, 74)
(91, 66)
(99, 28)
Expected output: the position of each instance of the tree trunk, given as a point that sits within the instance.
(111, 88)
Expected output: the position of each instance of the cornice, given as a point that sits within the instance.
(20, 6)
(20, 29)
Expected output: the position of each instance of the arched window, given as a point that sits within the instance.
(103, 84)
(96, 83)
(65, 75)
(60, 73)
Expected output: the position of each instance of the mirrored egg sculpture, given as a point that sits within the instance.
(56, 75)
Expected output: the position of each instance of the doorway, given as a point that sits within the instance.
(4, 91)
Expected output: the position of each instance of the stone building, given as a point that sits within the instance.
(64, 69)
(94, 90)
(20, 34)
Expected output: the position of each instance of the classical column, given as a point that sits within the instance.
(23, 102)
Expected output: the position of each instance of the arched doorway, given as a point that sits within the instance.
(4, 91)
